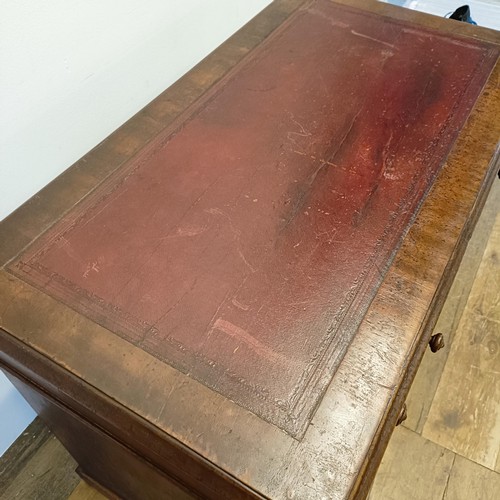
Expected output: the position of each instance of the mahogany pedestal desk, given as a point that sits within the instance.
(229, 296)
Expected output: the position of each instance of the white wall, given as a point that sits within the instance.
(15, 414)
(71, 72)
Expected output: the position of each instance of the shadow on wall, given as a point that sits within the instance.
(15, 414)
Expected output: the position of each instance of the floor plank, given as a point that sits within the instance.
(85, 492)
(465, 413)
(426, 381)
(49, 474)
(412, 468)
(20, 453)
(470, 481)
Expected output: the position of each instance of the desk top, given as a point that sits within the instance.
(252, 265)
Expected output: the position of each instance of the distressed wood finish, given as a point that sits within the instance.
(416, 468)
(147, 412)
(426, 382)
(244, 245)
(469, 425)
(20, 453)
(85, 492)
(470, 480)
(403, 475)
(37, 466)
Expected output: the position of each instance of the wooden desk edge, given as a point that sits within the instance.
(361, 487)
(38, 214)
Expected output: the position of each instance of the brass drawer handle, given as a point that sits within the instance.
(436, 342)
(403, 415)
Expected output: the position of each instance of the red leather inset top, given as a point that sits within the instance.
(244, 245)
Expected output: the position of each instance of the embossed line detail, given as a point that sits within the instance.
(245, 244)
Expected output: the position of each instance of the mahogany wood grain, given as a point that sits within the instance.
(159, 401)
(108, 462)
(244, 245)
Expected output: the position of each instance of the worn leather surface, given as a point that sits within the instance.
(244, 245)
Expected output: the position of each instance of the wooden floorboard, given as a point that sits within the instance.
(465, 413)
(424, 387)
(470, 481)
(48, 474)
(85, 492)
(20, 453)
(412, 466)
(415, 467)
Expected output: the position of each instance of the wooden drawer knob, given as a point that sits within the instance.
(403, 415)
(436, 342)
